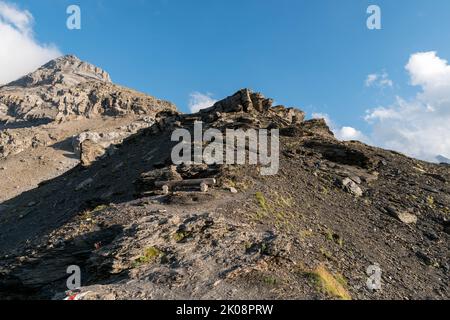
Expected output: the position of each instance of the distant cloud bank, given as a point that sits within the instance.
(20, 53)
(418, 126)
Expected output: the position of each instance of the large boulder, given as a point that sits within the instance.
(90, 152)
(352, 187)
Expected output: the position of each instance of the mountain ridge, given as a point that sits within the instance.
(334, 210)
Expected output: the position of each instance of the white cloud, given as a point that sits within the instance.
(349, 133)
(417, 126)
(432, 73)
(382, 113)
(341, 133)
(380, 80)
(20, 53)
(371, 78)
(420, 126)
(199, 101)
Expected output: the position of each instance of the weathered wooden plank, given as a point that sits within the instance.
(190, 182)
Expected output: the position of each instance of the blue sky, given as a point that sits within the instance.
(315, 55)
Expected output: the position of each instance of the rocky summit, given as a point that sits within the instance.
(66, 89)
(340, 220)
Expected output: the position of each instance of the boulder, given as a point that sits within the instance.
(352, 187)
(90, 152)
(402, 215)
(78, 140)
(233, 190)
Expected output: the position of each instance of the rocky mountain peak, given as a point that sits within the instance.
(67, 88)
(67, 70)
(443, 160)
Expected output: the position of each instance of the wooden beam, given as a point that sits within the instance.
(189, 182)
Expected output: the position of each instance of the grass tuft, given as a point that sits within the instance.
(270, 280)
(430, 201)
(180, 236)
(328, 284)
(261, 200)
(150, 254)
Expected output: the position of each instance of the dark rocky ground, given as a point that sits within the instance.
(334, 206)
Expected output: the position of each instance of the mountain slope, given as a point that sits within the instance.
(333, 210)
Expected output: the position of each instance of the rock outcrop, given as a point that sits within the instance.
(250, 103)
